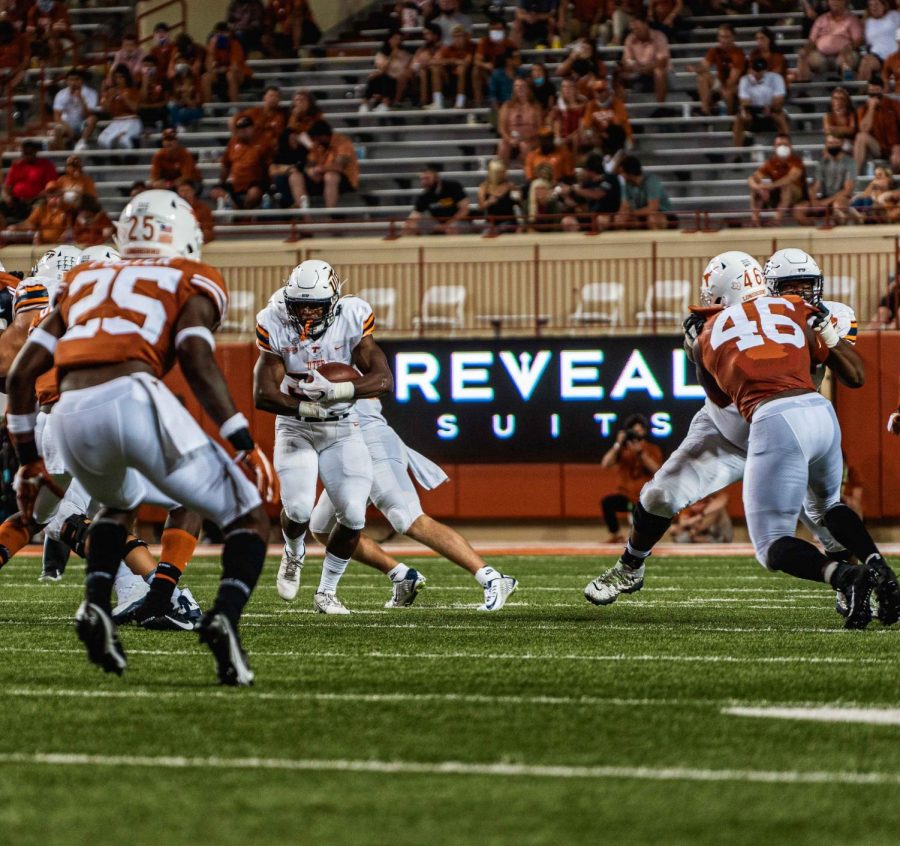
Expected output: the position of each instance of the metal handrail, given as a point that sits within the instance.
(158, 7)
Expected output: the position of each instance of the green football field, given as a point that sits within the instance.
(553, 722)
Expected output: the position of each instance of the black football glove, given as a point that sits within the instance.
(693, 326)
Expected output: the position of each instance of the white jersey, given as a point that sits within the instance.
(729, 421)
(275, 334)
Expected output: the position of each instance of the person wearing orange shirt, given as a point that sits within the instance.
(172, 162)
(74, 179)
(780, 183)
(331, 168)
(549, 153)
(450, 68)
(605, 123)
(879, 127)
(50, 220)
(163, 47)
(269, 119)
(187, 190)
(729, 63)
(245, 168)
(489, 53)
(91, 225)
(225, 62)
(47, 26)
(15, 55)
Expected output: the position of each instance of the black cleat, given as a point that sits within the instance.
(97, 632)
(217, 632)
(856, 583)
(168, 621)
(887, 591)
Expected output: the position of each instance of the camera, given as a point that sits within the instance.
(633, 435)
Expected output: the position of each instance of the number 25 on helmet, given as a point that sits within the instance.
(158, 224)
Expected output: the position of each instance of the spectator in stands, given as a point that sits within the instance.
(500, 86)
(546, 212)
(636, 460)
(595, 198)
(584, 64)
(442, 207)
(498, 199)
(75, 181)
(331, 170)
(588, 16)
(706, 521)
(172, 162)
(47, 27)
(761, 96)
(729, 63)
(645, 204)
(293, 146)
(835, 179)
(91, 225)
(812, 9)
(449, 17)
(451, 70)
(187, 190)
(605, 123)
(269, 120)
(130, 55)
(833, 44)
(120, 102)
(888, 310)
(518, 123)
(386, 85)
(185, 107)
(881, 26)
(305, 112)
(780, 183)
(567, 115)
(489, 51)
(15, 56)
(74, 113)
(247, 20)
(556, 157)
(163, 47)
(666, 16)
(535, 23)
(290, 24)
(25, 181)
(880, 201)
(244, 175)
(646, 58)
(49, 219)
(879, 127)
(890, 72)
(543, 87)
(153, 102)
(841, 119)
(422, 59)
(624, 11)
(187, 56)
(767, 48)
(226, 65)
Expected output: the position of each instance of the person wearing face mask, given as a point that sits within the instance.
(879, 127)
(47, 27)
(761, 96)
(488, 52)
(779, 183)
(75, 181)
(544, 89)
(605, 123)
(835, 179)
(163, 47)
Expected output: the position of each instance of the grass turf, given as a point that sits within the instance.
(550, 681)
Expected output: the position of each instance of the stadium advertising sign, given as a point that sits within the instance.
(537, 399)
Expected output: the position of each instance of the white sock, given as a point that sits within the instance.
(460, 101)
(295, 546)
(128, 583)
(485, 575)
(637, 553)
(332, 570)
(828, 571)
(438, 100)
(398, 574)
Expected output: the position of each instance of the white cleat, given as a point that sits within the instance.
(620, 578)
(497, 591)
(288, 580)
(328, 603)
(406, 590)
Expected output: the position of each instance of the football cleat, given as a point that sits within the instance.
(620, 578)
(328, 603)
(406, 590)
(130, 604)
(887, 591)
(51, 576)
(187, 606)
(857, 583)
(288, 580)
(840, 603)
(497, 591)
(217, 632)
(168, 621)
(97, 631)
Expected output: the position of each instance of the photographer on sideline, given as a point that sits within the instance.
(636, 460)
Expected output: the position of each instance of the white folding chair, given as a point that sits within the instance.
(600, 302)
(443, 306)
(241, 315)
(666, 302)
(384, 305)
(841, 289)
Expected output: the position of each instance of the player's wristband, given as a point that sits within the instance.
(236, 430)
(343, 391)
(20, 424)
(309, 409)
(828, 334)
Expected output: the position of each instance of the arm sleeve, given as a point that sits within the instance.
(31, 295)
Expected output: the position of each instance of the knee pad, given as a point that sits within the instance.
(353, 517)
(657, 501)
(73, 533)
(298, 512)
(322, 520)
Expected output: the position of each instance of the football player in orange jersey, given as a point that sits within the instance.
(115, 330)
(758, 354)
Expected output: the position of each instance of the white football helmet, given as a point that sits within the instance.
(793, 271)
(731, 278)
(310, 296)
(56, 262)
(99, 253)
(158, 224)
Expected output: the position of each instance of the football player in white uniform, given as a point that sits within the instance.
(714, 452)
(306, 325)
(395, 496)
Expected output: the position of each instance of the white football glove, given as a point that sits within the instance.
(821, 322)
(319, 389)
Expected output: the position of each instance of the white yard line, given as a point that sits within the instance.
(455, 768)
(820, 713)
